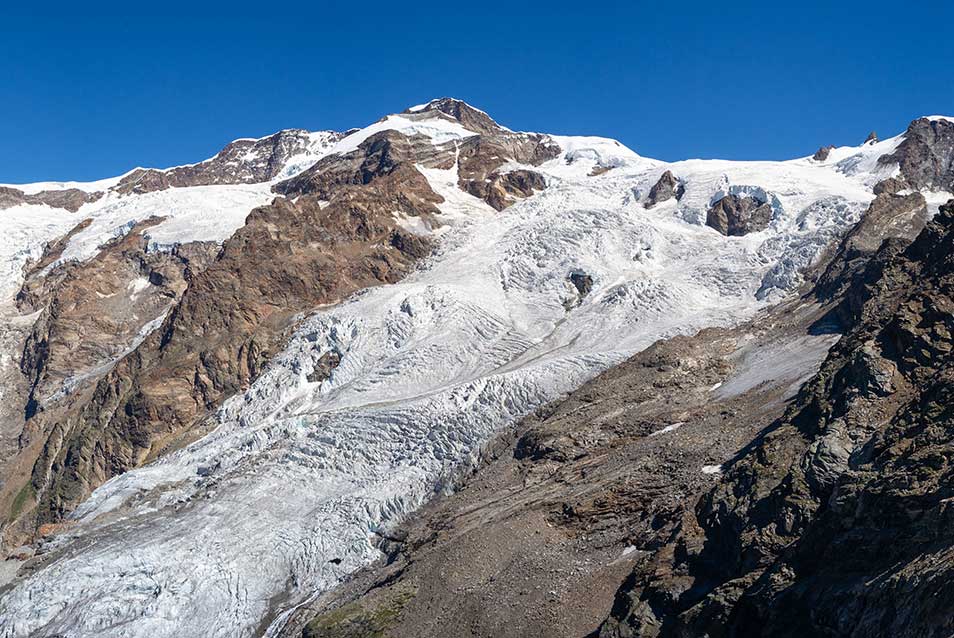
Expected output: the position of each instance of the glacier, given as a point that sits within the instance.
(289, 493)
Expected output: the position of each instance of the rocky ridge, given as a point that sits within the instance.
(71, 199)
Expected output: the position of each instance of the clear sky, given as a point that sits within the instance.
(91, 91)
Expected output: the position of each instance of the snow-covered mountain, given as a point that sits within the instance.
(546, 260)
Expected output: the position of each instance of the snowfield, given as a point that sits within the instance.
(288, 495)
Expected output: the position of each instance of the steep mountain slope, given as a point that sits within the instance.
(284, 408)
(836, 519)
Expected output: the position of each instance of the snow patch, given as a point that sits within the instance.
(669, 428)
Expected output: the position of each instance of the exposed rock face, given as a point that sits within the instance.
(836, 521)
(387, 154)
(889, 217)
(339, 236)
(926, 155)
(480, 158)
(88, 315)
(91, 312)
(822, 153)
(324, 367)
(736, 215)
(665, 189)
(891, 186)
(872, 138)
(470, 118)
(500, 190)
(70, 199)
(241, 162)
(582, 282)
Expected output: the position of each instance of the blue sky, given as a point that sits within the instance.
(90, 92)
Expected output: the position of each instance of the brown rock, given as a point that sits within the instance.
(479, 159)
(70, 199)
(736, 215)
(665, 188)
(891, 186)
(470, 118)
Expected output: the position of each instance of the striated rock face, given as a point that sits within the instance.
(241, 162)
(70, 199)
(91, 313)
(88, 315)
(665, 189)
(836, 520)
(736, 215)
(926, 155)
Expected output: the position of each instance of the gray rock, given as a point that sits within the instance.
(822, 154)
(926, 155)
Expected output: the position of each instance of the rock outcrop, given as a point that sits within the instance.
(926, 154)
(91, 313)
(243, 161)
(822, 153)
(481, 158)
(71, 199)
(891, 186)
(470, 118)
(737, 215)
(666, 187)
(889, 217)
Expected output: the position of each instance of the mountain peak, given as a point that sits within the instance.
(469, 117)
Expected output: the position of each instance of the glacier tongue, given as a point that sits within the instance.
(284, 498)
